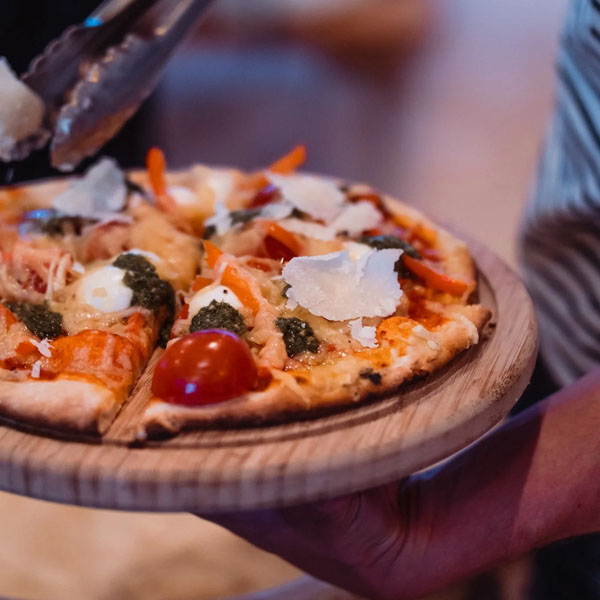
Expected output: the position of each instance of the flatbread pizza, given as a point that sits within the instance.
(270, 296)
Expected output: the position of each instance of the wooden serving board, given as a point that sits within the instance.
(218, 470)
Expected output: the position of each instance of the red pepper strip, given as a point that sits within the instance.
(286, 245)
(432, 278)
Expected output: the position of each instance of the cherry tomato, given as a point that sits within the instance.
(205, 367)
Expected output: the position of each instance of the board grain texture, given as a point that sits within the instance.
(222, 470)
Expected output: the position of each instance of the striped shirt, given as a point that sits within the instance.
(560, 235)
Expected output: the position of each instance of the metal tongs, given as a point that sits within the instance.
(95, 76)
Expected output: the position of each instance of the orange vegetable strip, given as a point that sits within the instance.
(436, 280)
(157, 166)
(7, 316)
(290, 162)
(240, 288)
(201, 282)
(25, 347)
(212, 253)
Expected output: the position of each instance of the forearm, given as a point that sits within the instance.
(533, 481)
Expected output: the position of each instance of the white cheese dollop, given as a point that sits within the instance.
(100, 192)
(319, 198)
(104, 290)
(365, 334)
(340, 288)
(220, 293)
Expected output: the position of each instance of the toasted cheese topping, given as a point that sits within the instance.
(339, 288)
(104, 290)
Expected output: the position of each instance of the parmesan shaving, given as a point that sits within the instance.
(363, 333)
(339, 288)
(98, 194)
(36, 369)
(315, 196)
(44, 346)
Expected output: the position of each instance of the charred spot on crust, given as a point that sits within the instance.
(371, 375)
(149, 290)
(298, 336)
(218, 315)
(38, 318)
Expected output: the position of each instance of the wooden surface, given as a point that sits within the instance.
(215, 470)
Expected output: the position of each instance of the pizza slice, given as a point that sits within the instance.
(89, 271)
(313, 294)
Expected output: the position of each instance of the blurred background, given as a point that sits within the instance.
(442, 104)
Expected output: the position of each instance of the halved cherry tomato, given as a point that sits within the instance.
(205, 367)
(436, 280)
(280, 243)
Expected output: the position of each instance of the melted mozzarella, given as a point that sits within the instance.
(339, 288)
(220, 293)
(104, 290)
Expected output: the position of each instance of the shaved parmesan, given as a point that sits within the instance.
(21, 112)
(354, 218)
(221, 220)
(36, 369)
(104, 290)
(358, 217)
(100, 192)
(315, 196)
(311, 230)
(220, 293)
(339, 288)
(44, 346)
(363, 333)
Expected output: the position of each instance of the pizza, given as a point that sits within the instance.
(267, 296)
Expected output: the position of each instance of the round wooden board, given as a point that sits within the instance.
(223, 470)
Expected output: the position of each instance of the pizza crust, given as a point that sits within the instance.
(63, 404)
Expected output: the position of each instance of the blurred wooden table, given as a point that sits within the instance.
(455, 131)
